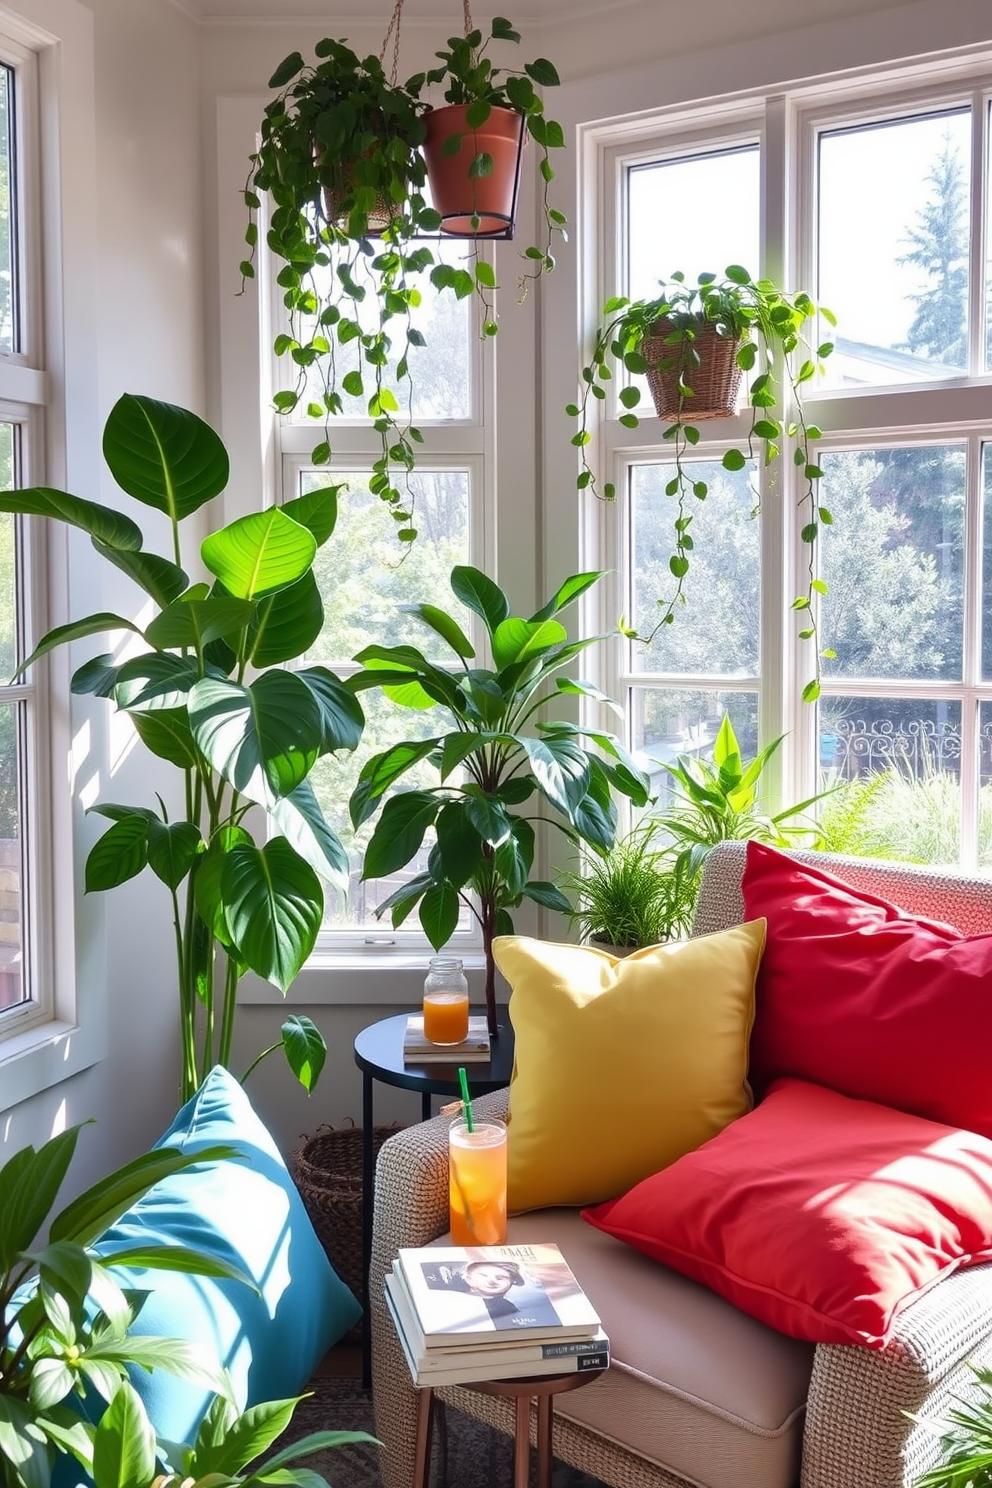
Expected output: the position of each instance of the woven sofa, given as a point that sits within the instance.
(698, 1393)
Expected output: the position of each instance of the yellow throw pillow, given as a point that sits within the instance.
(622, 1065)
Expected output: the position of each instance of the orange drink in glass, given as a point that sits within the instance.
(446, 1016)
(477, 1182)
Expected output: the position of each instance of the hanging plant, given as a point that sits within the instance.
(694, 342)
(340, 158)
(474, 144)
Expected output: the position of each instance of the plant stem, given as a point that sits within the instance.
(230, 1006)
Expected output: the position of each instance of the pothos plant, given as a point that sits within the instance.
(339, 157)
(501, 767)
(340, 160)
(776, 332)
(208, 694)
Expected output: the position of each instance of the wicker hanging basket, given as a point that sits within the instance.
(327, 1170)
(715, 381)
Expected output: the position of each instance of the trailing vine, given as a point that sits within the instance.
(661, 336)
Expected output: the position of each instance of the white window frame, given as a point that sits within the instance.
(958, 409)
(506, 535)
(63, 1030)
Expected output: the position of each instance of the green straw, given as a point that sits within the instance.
(466, 1099)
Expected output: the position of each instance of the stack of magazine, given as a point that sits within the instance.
(492, 1312)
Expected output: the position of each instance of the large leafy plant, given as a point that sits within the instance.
(637, 894)
(501, 766)
(774, 332)
(64, 1320)
(208, 695)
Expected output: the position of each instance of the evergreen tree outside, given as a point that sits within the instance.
(938, 246)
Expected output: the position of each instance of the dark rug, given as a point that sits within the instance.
(478, 1457)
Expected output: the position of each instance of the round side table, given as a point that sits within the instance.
(379, 1056)
(540, 1388)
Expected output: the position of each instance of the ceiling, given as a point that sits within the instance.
(358, 11)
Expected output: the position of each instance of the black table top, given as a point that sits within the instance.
(379, 1052)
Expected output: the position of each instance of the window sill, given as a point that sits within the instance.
(353, 978)
(43, 1056)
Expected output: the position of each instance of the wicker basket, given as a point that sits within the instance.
(327, 1170)
(715, 382)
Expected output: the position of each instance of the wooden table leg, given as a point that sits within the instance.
(545, 1416)
(425, 1432)
(521, 1443)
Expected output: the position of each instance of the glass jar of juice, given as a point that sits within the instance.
(445, 1001)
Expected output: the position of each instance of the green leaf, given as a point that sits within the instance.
(274, 904)
(22, 1445)
(457, 747)
(588, 689)
(286, 623)
(155, 680)
(259, 553)
(443, 625)
(515, 639)
(561, 770)
(733, 460)
(164, 456)
(110, 527)
(399, 833)
(479, 594)
(120, 854)
(305, 1050)
(98, 677)
(194, 623)
(316, 510)
(163, 580)
(287, 70)
(459, 845)
(379, 773)
(124, 1443)
(301, 821)
(51, 1381)
(544, 73)
(262, 739)
(439, 913)
(488, 817)
(567, 594)
(341, 716)
(77, 630)
(171, 850)
(547, 894)
(29, 1183)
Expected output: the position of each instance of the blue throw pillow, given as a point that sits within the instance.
(247, 1211)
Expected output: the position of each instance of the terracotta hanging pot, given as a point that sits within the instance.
(715, 380)
(461, 198)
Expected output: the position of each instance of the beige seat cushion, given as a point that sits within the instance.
(693, 1383)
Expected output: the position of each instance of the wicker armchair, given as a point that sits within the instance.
(856, 1432)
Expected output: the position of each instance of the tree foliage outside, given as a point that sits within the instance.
(937, 245)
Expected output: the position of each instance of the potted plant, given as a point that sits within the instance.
(634, 895)
(718, 801)
(64, 1320)
(208, 695)
(501, 766)
(673, 339)
(339, 157)
(474, 144)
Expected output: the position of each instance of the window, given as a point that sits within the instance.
(365, 574)
(877, 203)
(25, 990)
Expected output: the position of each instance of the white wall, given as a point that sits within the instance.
(158, 309)
(134, 323)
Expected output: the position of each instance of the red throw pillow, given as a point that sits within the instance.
(855, 994)
(819, 1215)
